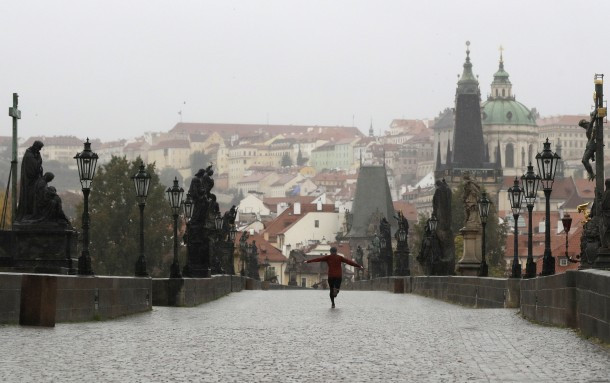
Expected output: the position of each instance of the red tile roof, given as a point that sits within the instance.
(288, 218)
(562, 120)
(55, 141)
(408, 209)
(172, 144)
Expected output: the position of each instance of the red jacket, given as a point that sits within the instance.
(334, 264)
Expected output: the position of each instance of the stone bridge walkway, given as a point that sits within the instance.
(294, 336)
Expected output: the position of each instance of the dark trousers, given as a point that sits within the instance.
(334, 283)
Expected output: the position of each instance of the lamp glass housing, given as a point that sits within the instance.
(86, 162)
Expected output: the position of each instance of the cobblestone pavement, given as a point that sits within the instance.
(294, 336)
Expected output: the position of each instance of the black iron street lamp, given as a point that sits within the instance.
(547, 166)
(530, 182)
(266, 268)
(174, 195)
(484, 205)
(187, 206)
(433, 223)
(292, 272)
(86, 162)
(515, 197)
(141, 181)
(567, 224)
(402, 250)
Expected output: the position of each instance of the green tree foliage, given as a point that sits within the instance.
(495, 233)
(286, 160)
(199, 160)
(300, 159)
(115, 221)
(237, 196)
(167, 175)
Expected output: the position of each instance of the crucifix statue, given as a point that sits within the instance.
(15, 113)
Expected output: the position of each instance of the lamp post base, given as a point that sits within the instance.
(483, 270)
(84, 265)
(530, 269)
(548, 264)
(141, 267)
(516, 270)
(174, 271)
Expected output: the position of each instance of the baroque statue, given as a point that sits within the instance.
(38, 201)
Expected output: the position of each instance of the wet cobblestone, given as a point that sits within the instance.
(294, 336)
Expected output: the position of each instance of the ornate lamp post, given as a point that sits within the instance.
(547, 165)
(141, 181)
(515, 197)
(433, 222)
(266, 268)
(567, 224)
(174, 195)
(484, 205)
(243, 252)
(402, 249)
(530, 182)
(187, 206)
(232, 235)
(86, 162)
(292, 272)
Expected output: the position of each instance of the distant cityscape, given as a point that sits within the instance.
(274, 163)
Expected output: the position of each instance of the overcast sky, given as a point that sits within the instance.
(115, 69)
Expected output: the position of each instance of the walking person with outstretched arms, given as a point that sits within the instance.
(335, 272)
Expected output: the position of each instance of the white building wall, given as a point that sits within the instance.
(305, 229)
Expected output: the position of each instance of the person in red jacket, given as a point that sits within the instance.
(335, 273)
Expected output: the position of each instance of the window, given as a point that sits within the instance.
(316, 223)
(303, 282)
(563, 262)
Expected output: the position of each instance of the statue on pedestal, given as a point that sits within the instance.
(472, 193)
(31, 171)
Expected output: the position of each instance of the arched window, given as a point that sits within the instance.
(502, 92)
(509, 156)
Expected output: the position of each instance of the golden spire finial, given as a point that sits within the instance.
(501, 49)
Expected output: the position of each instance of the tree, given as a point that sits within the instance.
(199, 160)
(495, 233)
(286, 160)
(115, 221)
(300, 160)
(167, 175)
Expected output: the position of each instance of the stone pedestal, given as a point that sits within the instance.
(471, 259)
(40, 248)
(602, 261)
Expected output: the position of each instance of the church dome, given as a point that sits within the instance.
(501, 108)
(499, 111)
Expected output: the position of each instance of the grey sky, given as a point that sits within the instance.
(115, 69)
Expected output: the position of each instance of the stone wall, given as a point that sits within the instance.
(44, 299)
(397, 285)
(195, 291)
(10, 297)
(577, 299)
(470, 291)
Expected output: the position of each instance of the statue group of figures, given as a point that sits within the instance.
(38, 201)
(208, 249)
(402, 247)
(437, 251)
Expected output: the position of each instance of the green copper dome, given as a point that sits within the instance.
(506, 112)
